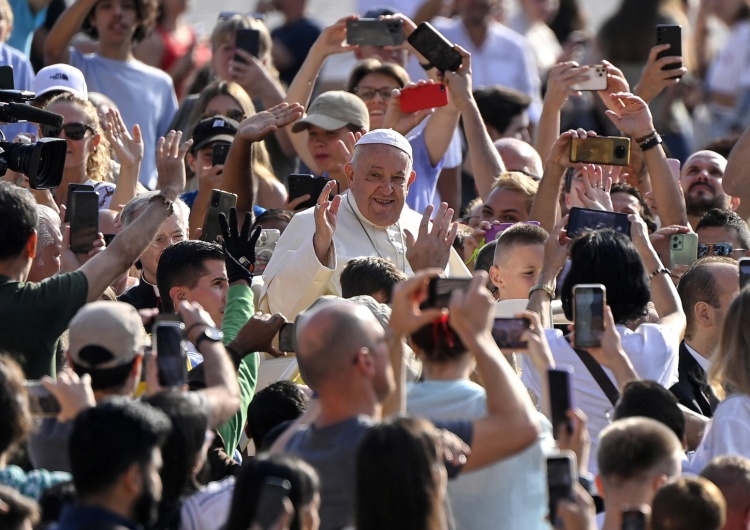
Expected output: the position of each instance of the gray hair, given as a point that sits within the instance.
(47, 219)
(133, 209)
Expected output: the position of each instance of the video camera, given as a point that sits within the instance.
(41, 161)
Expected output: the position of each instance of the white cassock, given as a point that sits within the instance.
(294, 278)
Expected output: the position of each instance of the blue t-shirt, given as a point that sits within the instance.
(25, 23)
(23, 76)
(189, 198)
(422, 190)
(298, 37)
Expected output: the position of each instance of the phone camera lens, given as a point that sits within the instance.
(620, 151)
(675, 246)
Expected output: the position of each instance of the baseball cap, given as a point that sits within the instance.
(60, 77)
(386, 137)
(214, 129)
(104, 338)
(333, 110)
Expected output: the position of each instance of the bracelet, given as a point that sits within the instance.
(647, 137)
(169, 204)
(650, 144)
(187, 331)
(660, 270)
(427, 66)
(543, 287)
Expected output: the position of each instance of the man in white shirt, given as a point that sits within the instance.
(706, 290)
(371, 219)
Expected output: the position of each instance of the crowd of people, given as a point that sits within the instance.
(262, 207)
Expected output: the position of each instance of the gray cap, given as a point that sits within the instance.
(334, 110)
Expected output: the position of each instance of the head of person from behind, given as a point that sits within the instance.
(193, 271)
(330, 118)
(379, 175)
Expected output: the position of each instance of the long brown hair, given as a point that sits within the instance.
(730, 365)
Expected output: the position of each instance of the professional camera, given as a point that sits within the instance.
(41, 161)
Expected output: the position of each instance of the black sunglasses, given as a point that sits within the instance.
(719, 249)
(74, 131)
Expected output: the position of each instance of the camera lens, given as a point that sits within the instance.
(620, 151)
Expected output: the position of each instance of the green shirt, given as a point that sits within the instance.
(239, 309)
(34, 315)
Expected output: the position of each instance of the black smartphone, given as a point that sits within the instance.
(219, 153)
(633, 519)
(71, 189)
(560, 397)
(286, 337)
(271, 501)
(300, 185)
(744, 272)
(670, 34)
(589, 300)
(247, 39)
(171, 353)
(83, 216)
(606, 150)
(6, 78)
(435, 47)
(561, 476)
(41, 402)
(441, 289)
(221, 201)
(582, 219)
(374, 32)
(508, 332)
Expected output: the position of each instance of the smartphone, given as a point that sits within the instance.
(41, 402)
(633, 519)
(171, 353)
(561, 477)
(560, 397)
(606, 150)
(71, 189)
(589, 300)
(597, 78)
(582, 219)
(264, 248)
(441, 289)
(683, 249)
(435, 47)
(286, 337)
(744, 272)
(219, 153)
(221, 201)
(508, 333)
(6, 78)
(494, 232)
(300, 185)
(424, 97)
(374, 32)
(271, 501)
(670, 34)
(84, 220)
(247, 39)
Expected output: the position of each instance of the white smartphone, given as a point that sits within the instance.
(597, 78)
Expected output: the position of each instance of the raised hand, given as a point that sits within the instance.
(170, 163)
(259, 125)
(326, 215)
(257, 334)
(407, 316)
(399, 120)
(459, 83)
(595, 192)
(631, 115)
(560, 153)
(470, 312)
(344, 150)
(654, 78)
(129, 149)
(433, 244)
(239, 246)
(616, 82)
(333, 38)
(560, 83)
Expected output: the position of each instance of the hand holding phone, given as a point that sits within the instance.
(427, 96)
(670, 34)
(41, 401)
(589, 300)
(83, 216)
(560, 397)
(438, 50)
(286, 337)
(300, 185)
(247, 39)
(374, 32)
(219, 153)
(508, 333)
(171, 353)
(596, 79)
(441, 289)
(582, 219)
(561, 477)
(604, 150)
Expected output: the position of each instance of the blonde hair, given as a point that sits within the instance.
(98, 163)
(520, 183)
(730, 364)
(6, 13)
(226, 30)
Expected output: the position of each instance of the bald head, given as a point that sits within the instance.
(329, 339)
(519, 156)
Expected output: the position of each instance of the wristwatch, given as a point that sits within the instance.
(210, 334)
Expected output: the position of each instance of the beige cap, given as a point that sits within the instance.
(334, 110)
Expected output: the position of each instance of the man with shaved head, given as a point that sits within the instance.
(520, 156)
(355, 368)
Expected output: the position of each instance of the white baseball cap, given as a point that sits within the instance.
(386, 137)
(60, 77)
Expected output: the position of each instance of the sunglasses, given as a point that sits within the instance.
(723, 250)
(226, 15)
(74, 131)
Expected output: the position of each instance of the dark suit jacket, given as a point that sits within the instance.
(692, 390)
(142, 296)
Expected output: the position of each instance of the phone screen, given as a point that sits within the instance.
(744, 272)
(582, 219)
(435, 47)
(286, 337)
(171, 355)
(560, 479)
(633, 520)
(442, 288)
(84, 220)
(589, 316)
(508, 332)
(41, 402)
(560, 397)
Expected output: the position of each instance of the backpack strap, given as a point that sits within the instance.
(601, 378)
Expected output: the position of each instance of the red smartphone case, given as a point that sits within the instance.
(424, 97)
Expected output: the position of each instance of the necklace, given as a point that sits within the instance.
(374, 246)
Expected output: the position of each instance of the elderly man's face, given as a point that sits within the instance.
(379, 177)
(701, 182)
(47, 261)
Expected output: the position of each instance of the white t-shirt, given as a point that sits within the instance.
(654, 351)
(508, 495)
(208, 508)
(729, 72)
(728, 432)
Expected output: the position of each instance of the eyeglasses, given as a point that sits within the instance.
(74, 131)
(368, 93)
(163, 240)
(718, 249)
